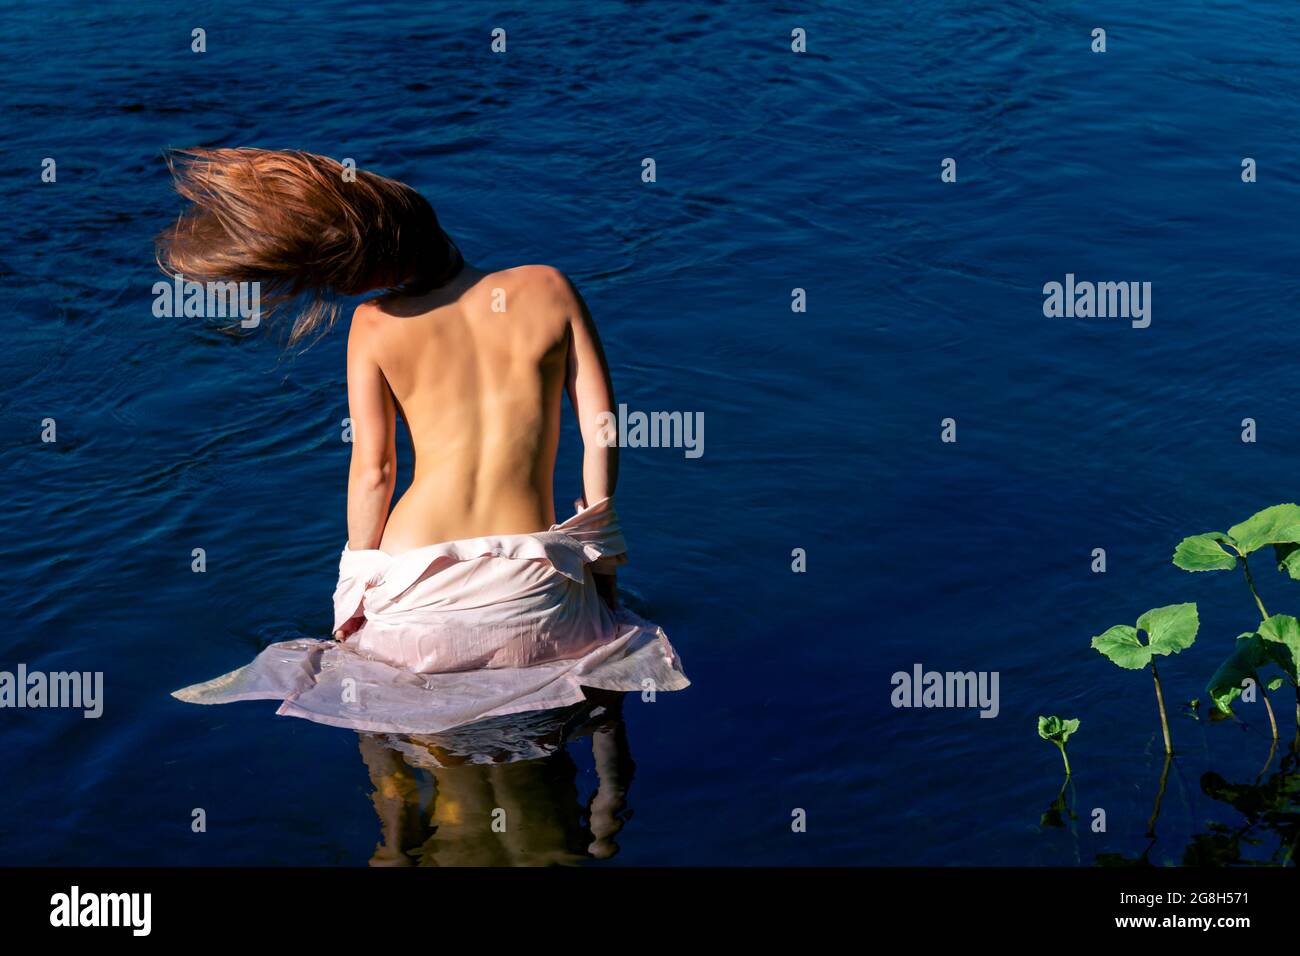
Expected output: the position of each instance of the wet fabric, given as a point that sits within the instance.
(461, 631)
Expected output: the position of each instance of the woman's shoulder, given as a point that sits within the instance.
(533, 275)
(541, 289)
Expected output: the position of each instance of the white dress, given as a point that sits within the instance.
(458, 632)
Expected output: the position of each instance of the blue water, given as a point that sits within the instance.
(775, 171)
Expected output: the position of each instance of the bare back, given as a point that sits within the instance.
(477, 370)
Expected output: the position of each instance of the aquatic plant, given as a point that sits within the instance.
(1251, 654)
(1274, 643)
(1277, 640)
(1058, 731)
(1169, 630)
(1216, 551)
(1281, 634)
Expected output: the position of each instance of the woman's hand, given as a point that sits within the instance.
(349, 628)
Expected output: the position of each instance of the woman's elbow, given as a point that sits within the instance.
(373, 476)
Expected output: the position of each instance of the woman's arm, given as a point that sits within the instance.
(592, 395)
(373, 472)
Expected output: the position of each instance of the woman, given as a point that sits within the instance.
(466, 600)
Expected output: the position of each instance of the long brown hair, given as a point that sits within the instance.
(305, 227)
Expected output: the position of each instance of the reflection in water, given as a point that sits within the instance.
(1270, 810)
(1060, 814)
(1271, 814)
(1160, 797)
(503, 792)
(1144, 859)
(1057, 811)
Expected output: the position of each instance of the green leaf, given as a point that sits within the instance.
(1202, 552)
(1283, 633)
(1250, 654)
(1056, 730)
(1275, 683)
(1224, 697)
(1120, 643)
(1279, 524)
(1288, 559)
(1170, 629)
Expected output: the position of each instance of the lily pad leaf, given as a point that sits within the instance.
(1203, 552)
(1279, 524)
(1056, 730)
(1288, 559)
(1250, 654)
(1120, 643)
(1170, 629)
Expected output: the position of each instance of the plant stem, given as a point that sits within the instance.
(1065, 758)
(1272, 751)
(1160, 796)
(1245, 566)
(1160, 700)
(1269, 707)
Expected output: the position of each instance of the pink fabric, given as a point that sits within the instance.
(461, 631)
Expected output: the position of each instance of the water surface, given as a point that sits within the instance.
(775, 171)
